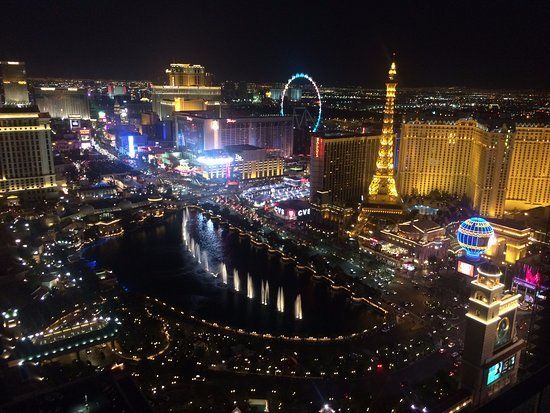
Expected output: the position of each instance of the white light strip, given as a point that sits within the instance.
(486, 287)
(480, 320)
(484, 304)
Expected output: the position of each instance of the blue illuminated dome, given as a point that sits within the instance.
(473, 235)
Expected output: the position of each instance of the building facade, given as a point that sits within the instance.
(185, 74)
(341, 166)
(494, 150)
(492, 349)
(260, 169)
(13, 89)
(528, 184)
(63, 103)
(437, 156)
(205, 131)
(239, 162)
(26, 159)
(253, 162)
(189, 88)
(167, 99)
(497, 170)
(510, 242)
(422, 238)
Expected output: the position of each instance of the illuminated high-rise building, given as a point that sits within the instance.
(341, 165)
(26, 159)
(490, 359)
(529, 180)
(185, 74)
(497, 170)
(205, 130)
(382, 187)
(189, 88)
(440, 156)
(63, 103)
(494, 149)
(13, 90)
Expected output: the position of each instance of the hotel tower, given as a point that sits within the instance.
(491, 347)
(26, 159)
(498, 170)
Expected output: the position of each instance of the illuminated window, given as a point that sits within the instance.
(480, 296)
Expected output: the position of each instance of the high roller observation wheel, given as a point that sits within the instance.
(310, 79)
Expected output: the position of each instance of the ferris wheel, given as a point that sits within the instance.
(310, 79)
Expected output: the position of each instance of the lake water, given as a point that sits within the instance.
(155, 261)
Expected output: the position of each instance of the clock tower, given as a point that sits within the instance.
(491, 348)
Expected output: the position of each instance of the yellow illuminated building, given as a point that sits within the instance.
(267, 168)
(189, 88)
(181, 104)
(529, 182)
(510, 241)
(185, 74)
(497, 170)
(26, 159)
(382, 186)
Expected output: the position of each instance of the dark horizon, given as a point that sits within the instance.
(495, 45)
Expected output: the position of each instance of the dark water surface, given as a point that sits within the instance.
(155, 261)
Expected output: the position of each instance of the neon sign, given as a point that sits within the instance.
(496, 371)
(292, 214)
(465, 268)
(223, 160)
(131, 149)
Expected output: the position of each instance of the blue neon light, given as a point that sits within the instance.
(496, 371)
(473, 235)
(310, 79)
(131, 149)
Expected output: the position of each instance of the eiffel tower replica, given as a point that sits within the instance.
(383, 198)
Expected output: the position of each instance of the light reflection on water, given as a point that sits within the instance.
(155, 261)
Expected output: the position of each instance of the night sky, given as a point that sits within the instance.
(484, 43)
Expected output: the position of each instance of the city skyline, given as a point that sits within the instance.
(278, 242)
(458, 45)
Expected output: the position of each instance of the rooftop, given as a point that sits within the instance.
(30, 109)
(293, 203)
(241, 148)
(341, 135)
(490, 269)
(229, 115)
(510, 223)
(425, 225)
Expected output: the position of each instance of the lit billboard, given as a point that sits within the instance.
(293, 209)
(496, 371)
(131, 148)
(465, 268)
